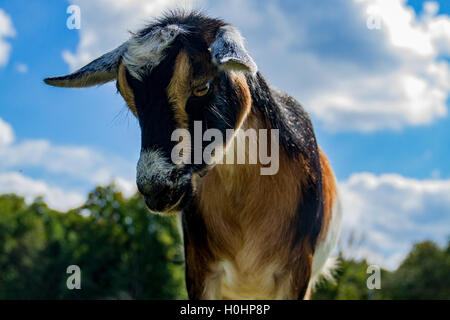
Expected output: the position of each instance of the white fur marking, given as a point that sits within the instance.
(145, 53)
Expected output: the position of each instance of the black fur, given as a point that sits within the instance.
(156, 117)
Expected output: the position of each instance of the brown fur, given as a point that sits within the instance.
(187, 75)
(179, 88)
(244, 96)
(125, 90)
(329, 192)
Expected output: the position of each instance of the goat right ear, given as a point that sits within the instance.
(228, 51)
(99, 71)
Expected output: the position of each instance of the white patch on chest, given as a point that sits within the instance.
(238, 282)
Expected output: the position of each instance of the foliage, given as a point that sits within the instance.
(123, 250)
(424, 274)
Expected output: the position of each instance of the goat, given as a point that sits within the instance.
(245, 235)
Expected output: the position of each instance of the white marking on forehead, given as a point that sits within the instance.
(145, 53)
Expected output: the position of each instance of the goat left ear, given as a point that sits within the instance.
(99, 71)
(228, 51)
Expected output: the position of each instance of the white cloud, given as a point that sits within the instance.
(6, 31)
(127, 187)
(6, 134)
(56, 198)
(80, 163)
(389, 212)
(77, 164)
(413, 91)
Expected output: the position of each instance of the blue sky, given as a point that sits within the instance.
(378, 99)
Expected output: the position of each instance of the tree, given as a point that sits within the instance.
(424, 274)
(123, 250)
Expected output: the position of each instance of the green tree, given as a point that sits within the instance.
(123, 250)
(424, 274)
(22, 238)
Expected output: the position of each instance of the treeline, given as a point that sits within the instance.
(126, 253)
(424, 274)
(123, 251)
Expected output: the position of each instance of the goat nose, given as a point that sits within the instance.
(160, 182)
(158, 198)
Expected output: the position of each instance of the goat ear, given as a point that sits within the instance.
(99, 71)
(228, 51)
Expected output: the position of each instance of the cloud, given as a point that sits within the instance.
(77, 164)
(127, 187)
(6, 31)
(387, 213)
(6, 134)
(56, 198)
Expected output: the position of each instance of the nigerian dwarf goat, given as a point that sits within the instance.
(246, 235)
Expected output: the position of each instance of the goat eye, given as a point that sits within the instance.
(201, 90)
